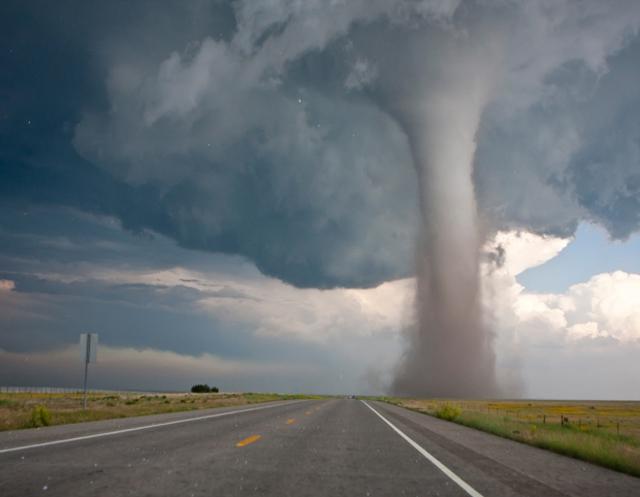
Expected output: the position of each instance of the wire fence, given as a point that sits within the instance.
(17, 389)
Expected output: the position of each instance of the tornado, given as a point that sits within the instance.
(449, 351)
(436, 88)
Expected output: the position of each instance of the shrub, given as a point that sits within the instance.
(448, 412)
(199, 388)
(40, 416)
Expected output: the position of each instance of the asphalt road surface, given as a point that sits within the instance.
(340, 447)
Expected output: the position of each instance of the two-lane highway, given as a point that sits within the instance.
(299, 448)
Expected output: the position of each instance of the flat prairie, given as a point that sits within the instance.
(32, 410)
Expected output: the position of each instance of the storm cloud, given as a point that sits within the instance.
(267, 137)
(249, 130)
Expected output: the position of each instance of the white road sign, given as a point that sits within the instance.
(89, 347)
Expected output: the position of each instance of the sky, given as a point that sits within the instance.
(227, 193)
(591, 251)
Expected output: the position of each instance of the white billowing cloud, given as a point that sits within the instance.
(524, 250)
(267, 306)
(278, 309)
(605, 306)
(274, 308)
(584, 330)
(552, 342)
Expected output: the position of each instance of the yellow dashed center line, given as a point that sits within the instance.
(290, 421)
(248, 440)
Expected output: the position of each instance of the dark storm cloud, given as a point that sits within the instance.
(573, 156)
(606, 170)
(65, 268)
(251, 203)
(301, 173)
(71, 273)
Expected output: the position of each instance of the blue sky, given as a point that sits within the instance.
(591, 252)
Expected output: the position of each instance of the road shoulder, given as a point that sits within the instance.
(462, 447)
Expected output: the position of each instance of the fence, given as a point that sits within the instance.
(15, 389)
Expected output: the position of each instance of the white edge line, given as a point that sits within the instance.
(456, 479)
(140, 428)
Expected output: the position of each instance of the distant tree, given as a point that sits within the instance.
(215, 389)
(199, 388)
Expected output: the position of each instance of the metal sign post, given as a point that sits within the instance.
(89, 353)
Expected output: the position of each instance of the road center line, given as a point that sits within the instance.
(248, 440)
(456, 479)
(140, 428)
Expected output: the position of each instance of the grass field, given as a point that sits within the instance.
(604, 433)
(29, 410)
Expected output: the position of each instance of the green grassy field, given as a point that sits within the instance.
(28, 410)
(604, 433)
